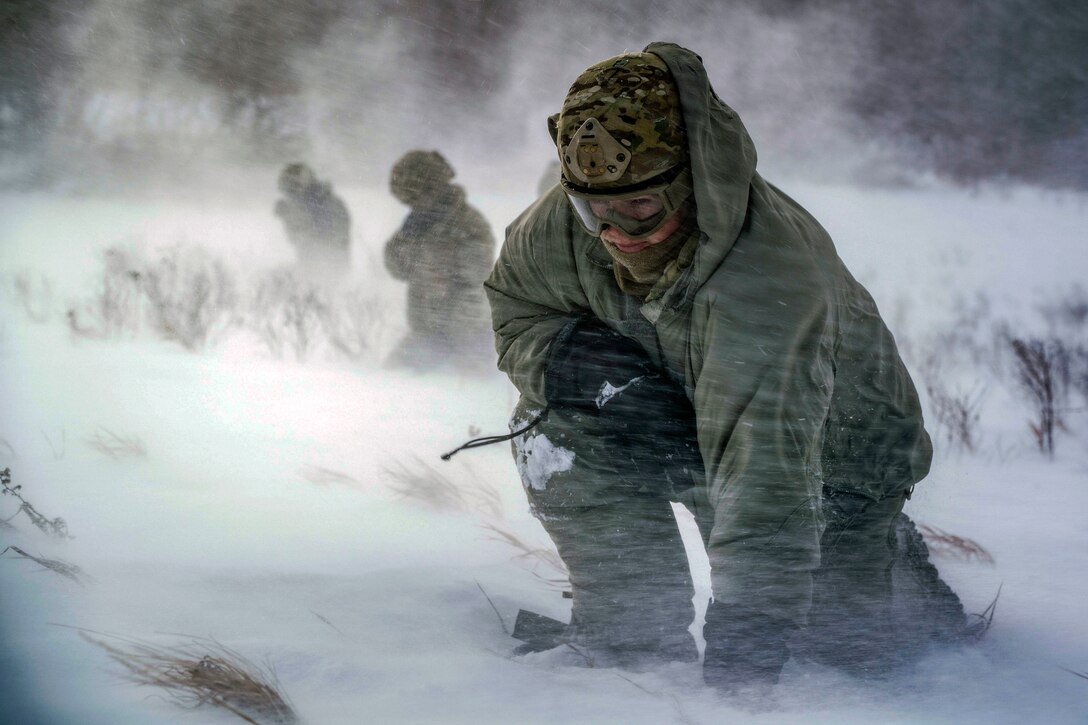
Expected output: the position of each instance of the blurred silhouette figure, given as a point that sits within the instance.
(443, 250)
(317, 223)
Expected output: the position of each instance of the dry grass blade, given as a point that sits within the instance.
(424, 484)
(681, 715)
(70, 571)
(115, 445)
(320, 476)
(942, 543)
(979, 624)
(538, 555)
(201, 673)
(1082, 675)
(326, 621)
(34, 295)
(505, 629)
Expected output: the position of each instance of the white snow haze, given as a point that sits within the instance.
(266, 484)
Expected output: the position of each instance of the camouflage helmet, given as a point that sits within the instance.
(418, 175)
(296, 178)
(621, 125)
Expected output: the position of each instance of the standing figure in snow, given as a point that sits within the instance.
(444, 251)
(682, 331)
(317, 223)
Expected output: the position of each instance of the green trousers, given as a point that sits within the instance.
(614, 527)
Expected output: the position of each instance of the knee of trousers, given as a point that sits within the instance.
(564, 461)
(857, 551)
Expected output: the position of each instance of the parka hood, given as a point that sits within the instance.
(723, 156)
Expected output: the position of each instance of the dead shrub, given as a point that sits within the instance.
(190, 296)
(56, 528)
(943, 544)
(116, 306)
(356, 325)
(956, 414)
(423, 484)
(184, 294)
(199, 673)
(288, 314)
(1042, 374)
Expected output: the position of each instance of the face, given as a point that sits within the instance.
(627, 245)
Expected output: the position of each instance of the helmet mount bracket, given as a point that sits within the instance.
(594, 156)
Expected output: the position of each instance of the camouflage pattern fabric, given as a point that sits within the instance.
(644, 116)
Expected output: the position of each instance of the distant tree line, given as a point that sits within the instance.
(985, 88)
(970, 89)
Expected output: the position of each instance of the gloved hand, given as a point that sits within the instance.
(645, 416)
(743, 647)
(589, 363)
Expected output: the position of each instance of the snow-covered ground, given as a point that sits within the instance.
(252, 500)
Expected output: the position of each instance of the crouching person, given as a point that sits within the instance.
(682, 331)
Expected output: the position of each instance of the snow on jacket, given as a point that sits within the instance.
(796, 381)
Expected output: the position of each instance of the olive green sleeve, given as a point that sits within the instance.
(533, 290)
(763, 381)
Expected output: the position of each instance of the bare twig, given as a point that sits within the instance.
(980, 623)
(502, 622)
(57, 453)
(57, 528)
(583, 653)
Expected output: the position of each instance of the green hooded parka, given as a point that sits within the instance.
(796, 381)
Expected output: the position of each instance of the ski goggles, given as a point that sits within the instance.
(638, 213)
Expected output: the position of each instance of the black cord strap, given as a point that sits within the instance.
(488, 440)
